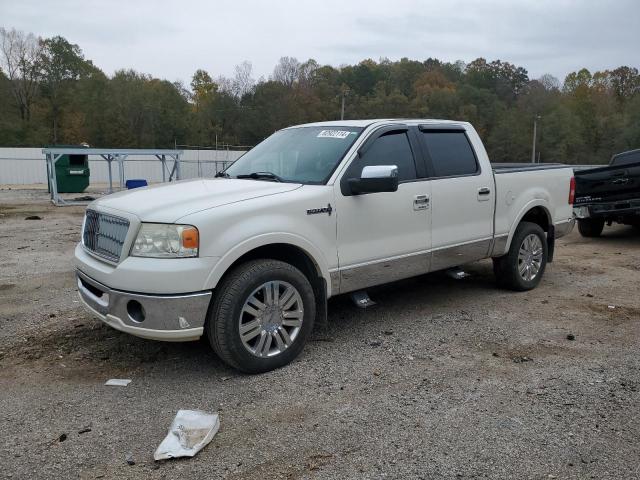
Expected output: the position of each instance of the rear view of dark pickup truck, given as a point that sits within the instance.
(608, 194)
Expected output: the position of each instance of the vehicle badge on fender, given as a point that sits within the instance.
(313, 211)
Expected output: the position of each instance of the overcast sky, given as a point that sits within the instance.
(171, 39)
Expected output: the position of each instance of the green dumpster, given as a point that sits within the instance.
(72, 172)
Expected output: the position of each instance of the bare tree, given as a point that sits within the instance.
(307, 73)
(21, 61)
(549, 82)
(243, 82)
(225, 84)
(287, 71)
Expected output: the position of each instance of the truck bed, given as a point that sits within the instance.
(525, 167)
(519, 184)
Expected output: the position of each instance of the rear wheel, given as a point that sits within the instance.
(262, 316)
(523, 266)
(590, 227)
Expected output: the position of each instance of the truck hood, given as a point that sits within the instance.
(166, 203)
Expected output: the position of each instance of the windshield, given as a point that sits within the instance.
(301, 155)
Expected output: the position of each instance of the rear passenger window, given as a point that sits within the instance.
(451, 154)
(390, 149)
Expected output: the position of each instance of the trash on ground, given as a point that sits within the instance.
(85, 198)
(129, 459)
(62, 437)
(571, 336)
(190, 432)
(86, 429)
(118, 382)
(611, 307)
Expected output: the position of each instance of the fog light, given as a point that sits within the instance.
(135, 311)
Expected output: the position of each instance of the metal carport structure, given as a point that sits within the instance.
(169, 160)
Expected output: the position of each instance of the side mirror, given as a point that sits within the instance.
(374, 179)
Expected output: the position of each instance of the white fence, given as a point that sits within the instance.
(25, 166)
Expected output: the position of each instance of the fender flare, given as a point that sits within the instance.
(538, 202)
(230, 257)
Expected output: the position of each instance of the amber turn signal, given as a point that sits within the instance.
(190, 238)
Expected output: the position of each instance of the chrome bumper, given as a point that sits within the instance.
(564, 228)
(173, 318)
(607, 209)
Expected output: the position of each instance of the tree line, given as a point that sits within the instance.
(51, 94)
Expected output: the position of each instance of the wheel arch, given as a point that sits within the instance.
(289, 248)
(536, 212)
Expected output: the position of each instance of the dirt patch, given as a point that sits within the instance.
(539, 352)
(615, 314)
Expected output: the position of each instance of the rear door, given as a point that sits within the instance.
(462, 197)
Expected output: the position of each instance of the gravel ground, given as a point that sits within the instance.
(441, 379)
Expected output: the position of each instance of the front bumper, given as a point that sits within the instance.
(173, 318)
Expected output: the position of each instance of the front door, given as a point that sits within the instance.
(384, 236)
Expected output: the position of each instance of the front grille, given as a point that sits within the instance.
(104, 234)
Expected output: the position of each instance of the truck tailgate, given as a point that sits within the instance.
(607, 184)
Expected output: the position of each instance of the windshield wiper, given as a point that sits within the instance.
(262, 175)
(222, 174)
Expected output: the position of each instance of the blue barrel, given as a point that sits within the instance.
(136, 183)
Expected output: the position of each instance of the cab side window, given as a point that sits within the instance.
(451, 154)
(390, 149)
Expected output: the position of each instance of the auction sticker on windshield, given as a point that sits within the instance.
(341, 134)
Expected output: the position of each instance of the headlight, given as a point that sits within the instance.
(161, 240)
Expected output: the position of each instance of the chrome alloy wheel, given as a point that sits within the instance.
(530, 257)
(271, 318)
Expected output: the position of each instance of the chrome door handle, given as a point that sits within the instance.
(421, 202)
(484, 191)
(484, 194)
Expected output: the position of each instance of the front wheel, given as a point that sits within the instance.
(262, 316)
(523, 266)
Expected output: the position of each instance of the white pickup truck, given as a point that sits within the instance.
(250, 258)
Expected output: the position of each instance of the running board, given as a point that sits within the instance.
(361, 299)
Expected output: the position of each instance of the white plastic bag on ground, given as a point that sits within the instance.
(190, 431)
(118, 382)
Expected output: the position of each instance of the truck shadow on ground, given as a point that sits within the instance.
(83, 347)
(625, 234)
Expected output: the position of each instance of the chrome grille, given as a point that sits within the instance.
(104, 234)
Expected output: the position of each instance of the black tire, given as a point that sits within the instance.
(590, 227)
(223, 322)
(506, 268)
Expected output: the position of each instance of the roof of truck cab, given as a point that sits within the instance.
(366, 123)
